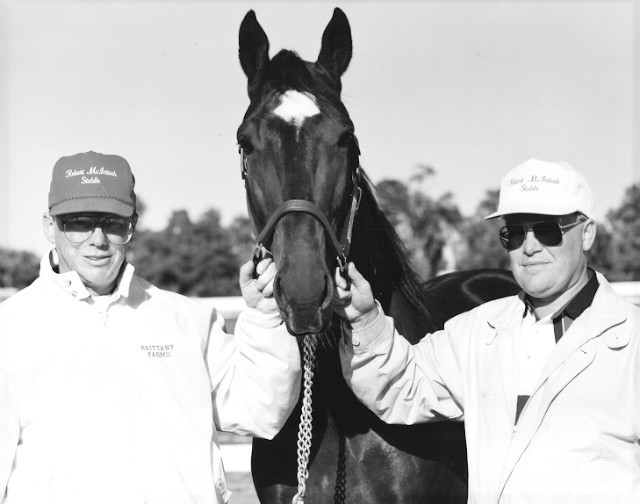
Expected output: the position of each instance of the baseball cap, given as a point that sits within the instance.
(92, 182)
(543, 187)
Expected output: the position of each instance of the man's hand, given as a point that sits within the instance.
(354, 302)
(258, 292)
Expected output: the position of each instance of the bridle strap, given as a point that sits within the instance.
(341, 247)
(296, 206)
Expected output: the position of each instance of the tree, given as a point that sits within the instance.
(17, 268)
(482, 248)
(193, 258)
(426, 226)
(601, 257)
(625, 237)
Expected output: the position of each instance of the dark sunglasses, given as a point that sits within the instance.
(548, 233)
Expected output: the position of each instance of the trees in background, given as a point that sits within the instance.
(17, 268)
(428, 227)
(198, 258)
(481, 247)
(620, 251)
(202, 257)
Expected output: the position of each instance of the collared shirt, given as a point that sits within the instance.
(534, 343)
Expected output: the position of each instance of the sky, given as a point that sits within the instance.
(470, 88)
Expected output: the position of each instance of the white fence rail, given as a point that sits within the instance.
(230, 306)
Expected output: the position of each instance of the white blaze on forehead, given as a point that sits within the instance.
(295, 107)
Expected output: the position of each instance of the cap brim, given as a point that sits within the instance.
(534, 209)
(106, 205)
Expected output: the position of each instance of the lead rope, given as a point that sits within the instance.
(306, 418)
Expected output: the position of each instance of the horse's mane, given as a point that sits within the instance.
(383, 259)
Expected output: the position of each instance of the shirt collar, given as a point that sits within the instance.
(578, 304)
(583, 299)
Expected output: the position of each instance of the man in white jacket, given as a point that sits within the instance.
(547, 382)
(111, 390)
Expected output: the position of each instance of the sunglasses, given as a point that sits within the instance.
(548, 233)
(79, 229)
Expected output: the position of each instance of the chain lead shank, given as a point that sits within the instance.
(306, 417)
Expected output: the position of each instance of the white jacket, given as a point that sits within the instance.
(576, 440)
(119, 403)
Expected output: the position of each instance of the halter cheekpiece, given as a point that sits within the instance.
(341, 247)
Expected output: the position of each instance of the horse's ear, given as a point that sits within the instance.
(253, 46)
(335, 53)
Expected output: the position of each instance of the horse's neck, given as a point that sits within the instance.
(378, 259)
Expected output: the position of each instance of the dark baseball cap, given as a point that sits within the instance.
(92, 182)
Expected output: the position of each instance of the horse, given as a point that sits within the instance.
(313, 208)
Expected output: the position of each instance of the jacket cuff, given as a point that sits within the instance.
(360, 337)
(260, 319)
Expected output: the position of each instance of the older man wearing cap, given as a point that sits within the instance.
(111, 390)
(547, 382)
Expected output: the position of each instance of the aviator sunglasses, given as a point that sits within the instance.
(78, 229)
(548, 233)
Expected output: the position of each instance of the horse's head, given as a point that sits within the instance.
(300, 164)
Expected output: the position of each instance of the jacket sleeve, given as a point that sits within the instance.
(255, 374)
(9, 424)
(402, 383)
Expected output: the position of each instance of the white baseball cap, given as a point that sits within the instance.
(542, 187)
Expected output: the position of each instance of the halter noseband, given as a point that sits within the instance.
(341, 246)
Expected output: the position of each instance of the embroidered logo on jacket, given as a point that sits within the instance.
(154, 351)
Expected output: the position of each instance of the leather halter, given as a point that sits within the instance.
(341, 247)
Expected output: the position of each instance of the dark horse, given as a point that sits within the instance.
(300, 161)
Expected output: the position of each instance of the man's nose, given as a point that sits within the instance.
(531, 243)
(98, 237)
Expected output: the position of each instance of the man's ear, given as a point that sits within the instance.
(588, 234)
(49, 226)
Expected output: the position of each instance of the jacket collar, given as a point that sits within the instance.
(508, 319)
(71, 283)
(606, 311)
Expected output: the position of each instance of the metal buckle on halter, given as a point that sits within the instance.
(259, 253)
(342, 263)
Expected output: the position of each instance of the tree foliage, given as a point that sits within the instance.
(17, 268)
(482, 248)
(199, 258)
(427, 226)
(623, 251)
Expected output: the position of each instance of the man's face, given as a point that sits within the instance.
(96, 259)
(546, 271)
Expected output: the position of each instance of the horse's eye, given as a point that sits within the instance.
(345, 140)
(245, 146)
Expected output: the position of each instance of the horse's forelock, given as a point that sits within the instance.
(287, 71)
